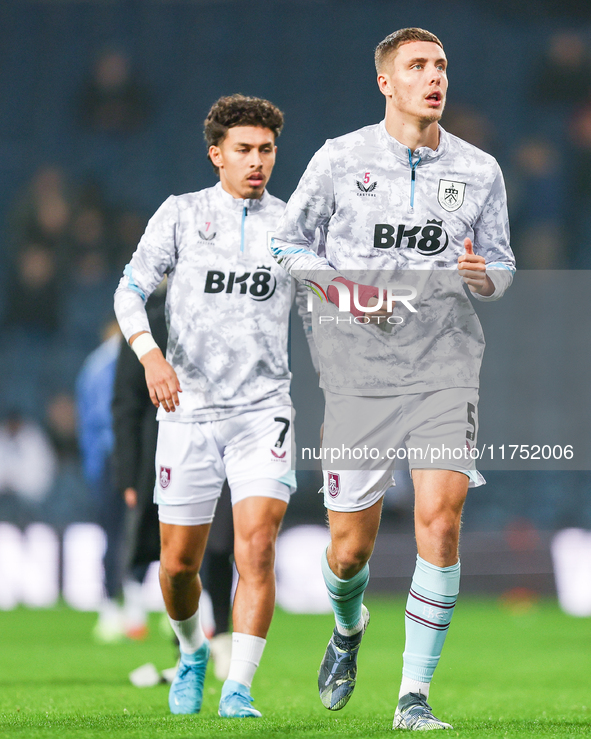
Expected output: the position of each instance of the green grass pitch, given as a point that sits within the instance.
(504, 673)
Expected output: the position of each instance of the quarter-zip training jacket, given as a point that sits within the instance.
(369, 209)
(227, 303)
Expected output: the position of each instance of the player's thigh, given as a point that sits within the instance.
(189, 473)
(257, 520)
(353, 533)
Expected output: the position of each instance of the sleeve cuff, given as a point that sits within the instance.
(501, 277)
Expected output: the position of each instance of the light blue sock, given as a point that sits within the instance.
(430, 606)
(346, 596)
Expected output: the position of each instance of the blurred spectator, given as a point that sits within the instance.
(537, 200)
(87, 299)
(90, 246)
(564, 75)
(27, 467)
(93, 226)
(61, 425)
(113, 100)
(94, 393)
(33, 291)
(136, 431)
(43, 213)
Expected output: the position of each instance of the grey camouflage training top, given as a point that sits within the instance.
(227, 303)
(369, 210)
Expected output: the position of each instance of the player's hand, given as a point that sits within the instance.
(381, 315)
(162, 381)
(473, 270)
(130, 497)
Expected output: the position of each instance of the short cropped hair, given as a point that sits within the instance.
(395, 40)
(239, 110)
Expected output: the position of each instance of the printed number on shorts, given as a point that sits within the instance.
(471, 435)
(281, 437)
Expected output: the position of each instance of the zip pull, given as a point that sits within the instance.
(244, 214)
(412, 179)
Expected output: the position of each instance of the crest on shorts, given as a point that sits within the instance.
(451, 194)
(334, 484)
(164, 477)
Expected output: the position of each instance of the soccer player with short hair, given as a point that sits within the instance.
(402, 197)
(222, 390)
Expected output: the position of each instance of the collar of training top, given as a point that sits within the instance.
(228, 201)
(401, 151)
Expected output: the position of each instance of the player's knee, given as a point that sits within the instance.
(443, 532)
(350, 558)
(257, 553)
(178, 569)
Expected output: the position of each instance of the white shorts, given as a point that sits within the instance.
(252, 450)
(365, 436)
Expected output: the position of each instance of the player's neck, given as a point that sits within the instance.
(411, 132)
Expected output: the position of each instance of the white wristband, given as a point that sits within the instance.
(144, 344)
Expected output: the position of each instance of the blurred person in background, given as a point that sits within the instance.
(43, 213)
(62, 427)
(560, 85)
(135, 430)
(537, 196)
(33, 292)
(563, 76)
(113, 100)
(91, 271)
(223, 390)
(94, 394)
(28, 467)
(92, 227)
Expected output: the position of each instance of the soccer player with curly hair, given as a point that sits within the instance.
(222, 390)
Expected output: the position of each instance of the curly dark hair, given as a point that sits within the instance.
(239, 110)
(403, 36)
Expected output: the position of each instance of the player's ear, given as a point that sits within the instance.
(215, 154)
(384, 84)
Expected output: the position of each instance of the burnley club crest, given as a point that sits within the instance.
(334, 484)
(451, 194)
(164, 477)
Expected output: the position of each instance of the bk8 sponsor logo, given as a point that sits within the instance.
(429, 240)
(259, 285)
